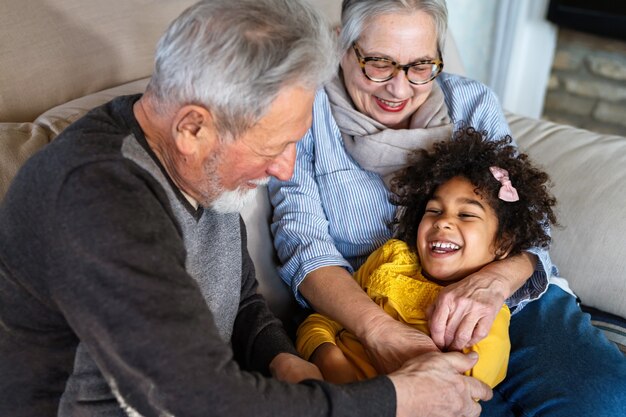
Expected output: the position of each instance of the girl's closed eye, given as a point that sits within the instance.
(467, 215)
(432, 208)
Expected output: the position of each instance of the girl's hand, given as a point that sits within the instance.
(335, 366)
(291, 368)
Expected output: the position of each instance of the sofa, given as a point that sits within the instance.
(60, 58)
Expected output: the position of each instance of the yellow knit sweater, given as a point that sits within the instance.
(392, 278)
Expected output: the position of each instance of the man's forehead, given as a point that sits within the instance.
(289, 117)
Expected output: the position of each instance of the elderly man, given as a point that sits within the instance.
(125, 285)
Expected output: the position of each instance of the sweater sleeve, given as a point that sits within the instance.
(315, 330)
(258, 336)
(116, 271)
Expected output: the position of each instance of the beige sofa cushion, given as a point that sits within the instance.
(589, 175)
(60, 117)
(18, 141)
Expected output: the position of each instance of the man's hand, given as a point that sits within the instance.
(291, 368)
(433, 385)
(464, 311)
(390, 343)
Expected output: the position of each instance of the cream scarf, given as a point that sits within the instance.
(378, 148)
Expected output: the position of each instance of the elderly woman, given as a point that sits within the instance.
(389, 98)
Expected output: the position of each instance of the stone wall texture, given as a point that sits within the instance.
(587, 86)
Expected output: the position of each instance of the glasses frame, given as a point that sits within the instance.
(397, 67)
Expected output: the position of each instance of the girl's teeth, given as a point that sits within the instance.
(445, 245)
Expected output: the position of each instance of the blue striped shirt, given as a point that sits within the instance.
(333, 213)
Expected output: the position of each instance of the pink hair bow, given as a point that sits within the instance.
(507, 191)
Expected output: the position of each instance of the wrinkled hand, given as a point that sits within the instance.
(389, 343)
(433, 385)
(464, 311)
(291, 368)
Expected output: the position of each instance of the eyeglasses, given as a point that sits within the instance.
(380, 69)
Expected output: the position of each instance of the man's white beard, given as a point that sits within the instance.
(235, 201)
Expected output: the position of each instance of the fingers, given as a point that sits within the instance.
(472, 409)
(457, 322)
(435, 385)
(452, 328)
(461, 362)
(478, 390)
(463, 333)
(438, 322)
(458, 326)
(480, 331)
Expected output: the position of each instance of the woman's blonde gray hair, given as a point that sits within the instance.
(355, 15)
(233, 58)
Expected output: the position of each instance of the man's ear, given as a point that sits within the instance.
(192, 126)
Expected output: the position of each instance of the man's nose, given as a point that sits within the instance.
(282, 166)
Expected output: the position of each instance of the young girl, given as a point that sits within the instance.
(465, 204)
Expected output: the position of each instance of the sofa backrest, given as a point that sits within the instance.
(53, 51)
(588, 172)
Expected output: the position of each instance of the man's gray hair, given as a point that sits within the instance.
(234, 56)
(355, 15)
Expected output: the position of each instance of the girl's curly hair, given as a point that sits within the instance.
(522, 225)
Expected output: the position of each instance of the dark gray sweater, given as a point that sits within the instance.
(107, 273)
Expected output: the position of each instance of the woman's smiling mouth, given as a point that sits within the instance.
(390, 106)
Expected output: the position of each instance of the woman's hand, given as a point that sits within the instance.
(291, 368)
(390, 343)
(332, 291)
(463, 313)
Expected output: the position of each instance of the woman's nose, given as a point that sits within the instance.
(400, 86)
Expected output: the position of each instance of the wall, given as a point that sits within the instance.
(508, 45)
(473, 25)
(588, 83)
